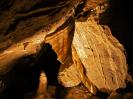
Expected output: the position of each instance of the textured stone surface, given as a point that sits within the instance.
(102, 55)
(29, 26)
(96, 59)
(25, 33)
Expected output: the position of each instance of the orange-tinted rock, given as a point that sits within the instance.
(101, 54)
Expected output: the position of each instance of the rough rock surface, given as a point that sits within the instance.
(102, 55)
(96, 59)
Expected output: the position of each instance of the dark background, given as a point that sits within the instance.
(121, 24)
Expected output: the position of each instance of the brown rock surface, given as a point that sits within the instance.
(96, 58)
(101, 55)
(29, 36)
(29, 25)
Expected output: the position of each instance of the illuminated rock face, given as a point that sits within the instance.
(26, 32)
(27, 26)
(99, 60)
(95, 58)
(101, 54)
